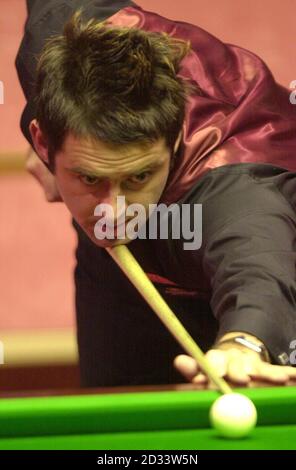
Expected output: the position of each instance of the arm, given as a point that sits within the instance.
(249, 258)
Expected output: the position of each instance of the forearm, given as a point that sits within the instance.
(251, 262)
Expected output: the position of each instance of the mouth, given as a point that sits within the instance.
(110, 231)
(115, 229)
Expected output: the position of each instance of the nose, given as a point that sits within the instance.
(110, 194)
(115, 201)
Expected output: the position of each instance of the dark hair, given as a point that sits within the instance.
(115, 84)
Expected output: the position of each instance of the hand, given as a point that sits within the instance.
(236, 364)
(45, 178)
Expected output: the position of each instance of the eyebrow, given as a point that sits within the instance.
(83, 171)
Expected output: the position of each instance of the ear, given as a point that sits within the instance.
(39, 141)
(178, 141)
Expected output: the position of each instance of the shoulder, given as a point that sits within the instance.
(53, 10)
(53, 13)
(232, 192)
(241, 179)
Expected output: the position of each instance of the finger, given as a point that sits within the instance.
(290, 371)
(218, 360)
(200, 379)
(33, 164)
(271, 373)
(51, 193)
(187, 366)
(37, 174)
(50, 196)
(240, 367)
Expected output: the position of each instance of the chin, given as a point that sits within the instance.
(108, 243)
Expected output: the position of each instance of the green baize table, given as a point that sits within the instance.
(129, 419)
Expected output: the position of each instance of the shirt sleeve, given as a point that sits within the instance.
(249, 258)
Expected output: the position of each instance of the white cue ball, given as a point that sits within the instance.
(233, 415)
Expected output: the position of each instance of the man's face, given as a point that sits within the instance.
(89, 173)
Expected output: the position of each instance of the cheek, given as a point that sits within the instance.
(69, 186)
(151, 195)
(153, 192)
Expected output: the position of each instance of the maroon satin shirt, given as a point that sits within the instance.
(242, 115)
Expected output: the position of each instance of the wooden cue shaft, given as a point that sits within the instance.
(129, 265)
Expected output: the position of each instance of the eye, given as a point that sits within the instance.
(140, 178)
(89, 180)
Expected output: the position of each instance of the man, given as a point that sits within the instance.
(122, 110)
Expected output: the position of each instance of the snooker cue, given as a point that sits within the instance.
(131, 268)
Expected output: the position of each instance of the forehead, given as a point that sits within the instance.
(75, 145)
(91, 154)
